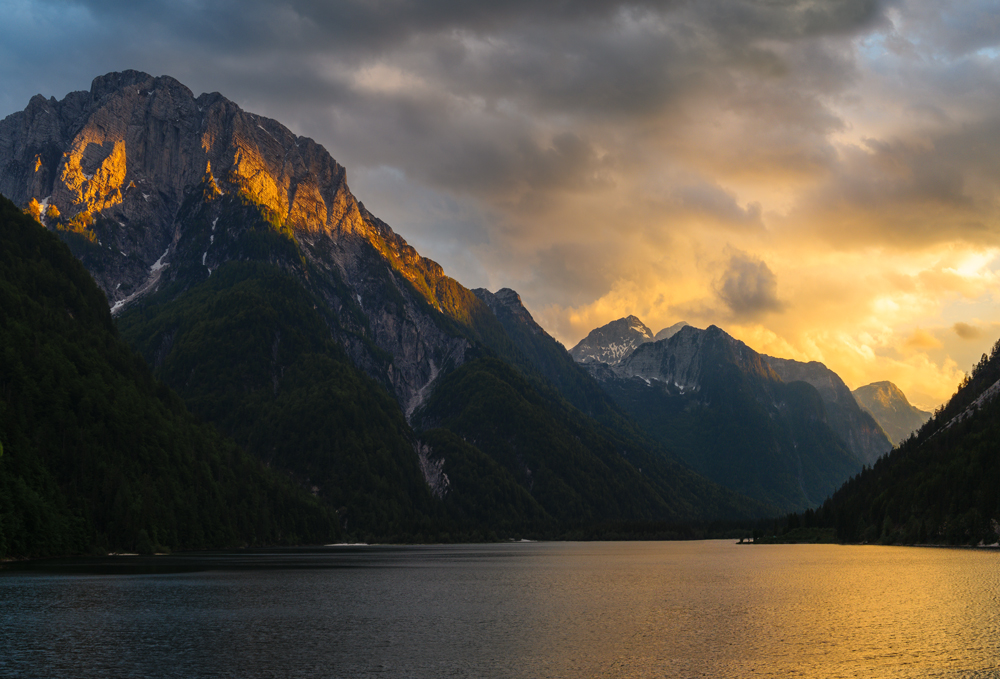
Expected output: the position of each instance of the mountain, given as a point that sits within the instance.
(888, 405)
(938, 486)
(153, 186)
(612, 342)
(243, 269)
(721, 407)
(96, 454)
(580, 475)
(667, 333)
(856, 427)
(682, 489)
(544, 357)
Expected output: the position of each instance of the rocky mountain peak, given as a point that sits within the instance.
(506, 302)
(889, 406)
(827, 382)
(680, 359)
(731, 416)
(509, 298)
(130, 148)
(153, 186)
(885, 393)
(612, 342)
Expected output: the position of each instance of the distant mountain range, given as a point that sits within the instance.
(241, 267)
(727, 412)
(856, 426)
(663, 386)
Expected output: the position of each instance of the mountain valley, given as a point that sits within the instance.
(240, 266)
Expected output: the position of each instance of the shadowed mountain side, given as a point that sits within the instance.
(667, 333)
(579, 474)
(548, 358)
(718, 405)
(855, 426)
(98, 455)
(249, 351)
(888, 405)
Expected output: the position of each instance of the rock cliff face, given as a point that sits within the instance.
(859, 430)
(506, 302)
(141, 175)
(122, 157)
(549, 358)
(888, 405)
(625, 345)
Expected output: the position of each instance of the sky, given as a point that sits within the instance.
(819, 178)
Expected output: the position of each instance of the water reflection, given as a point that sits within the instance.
(521, 610)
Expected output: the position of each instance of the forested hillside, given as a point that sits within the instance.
(580, 472)
(939, 486)
(248, 351)
(97, 455)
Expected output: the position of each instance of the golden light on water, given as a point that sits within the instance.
(821, 611)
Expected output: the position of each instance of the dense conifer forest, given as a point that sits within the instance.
(96, 454)
(939, 486)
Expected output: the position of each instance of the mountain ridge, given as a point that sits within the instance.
(133, 240)
(613, 342)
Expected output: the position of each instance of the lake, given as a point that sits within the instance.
(653, 609)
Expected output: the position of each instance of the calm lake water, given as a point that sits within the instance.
(665, 609)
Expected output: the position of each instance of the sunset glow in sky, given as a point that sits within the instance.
(820, 178)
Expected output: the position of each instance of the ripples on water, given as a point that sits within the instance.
(693, 609)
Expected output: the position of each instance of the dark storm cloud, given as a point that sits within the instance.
(247, 23)
(749, 288)
(542, 71)
(597, 52)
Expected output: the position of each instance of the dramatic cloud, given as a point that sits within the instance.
(606, 158)
(749, 288)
